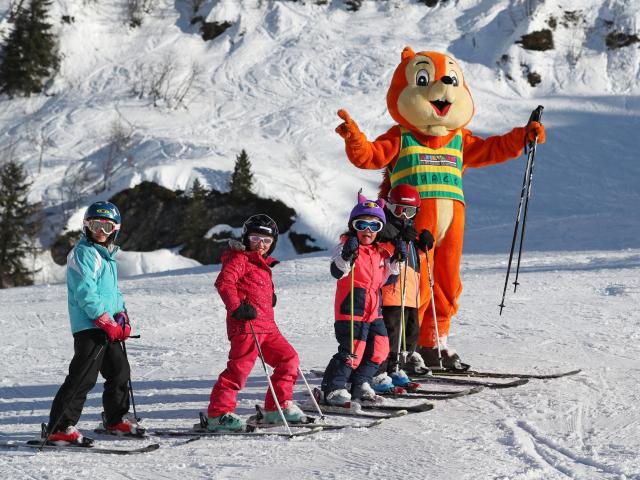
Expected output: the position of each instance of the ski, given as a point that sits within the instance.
(474, 383)
(37, 445)
(353, 410)
(314, 421)
(141, 435)
(245, 432)
(409, 408)
(435, 394)
(257, 421)
(479, 374)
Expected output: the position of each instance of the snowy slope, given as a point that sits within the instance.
(272, 83)
(571, 310)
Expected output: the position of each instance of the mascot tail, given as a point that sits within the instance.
(385, 186)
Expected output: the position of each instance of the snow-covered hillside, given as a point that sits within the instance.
(273, 81)
(571, 311)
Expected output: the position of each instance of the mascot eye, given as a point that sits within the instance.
(454, 77)
(422, 78)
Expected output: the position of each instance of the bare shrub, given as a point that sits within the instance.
(162, 83)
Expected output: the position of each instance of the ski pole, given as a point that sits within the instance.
(313, 397)
(404, 302)
(433, 308)
(402, 335)
(99, 348)
(536, 116)
(523, 193)
(266, 372)
(133, 402)
(353, 274)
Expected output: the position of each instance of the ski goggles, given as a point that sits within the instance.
(260, 239)
(399, 210)
(362, 225)
(107, 226)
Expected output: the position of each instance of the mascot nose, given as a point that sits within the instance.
(447, 80)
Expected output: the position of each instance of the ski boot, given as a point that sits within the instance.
(67, 436)
(291, 412)
(362, 392)
(382, 384)
(415, 365)
(127, 427)
(338, 398)
(401, 380)
(450, 359)
(229, 422)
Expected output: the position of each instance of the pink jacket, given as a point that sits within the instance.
(372, 269)
(247, 276)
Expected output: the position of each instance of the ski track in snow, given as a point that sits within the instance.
(582, 427)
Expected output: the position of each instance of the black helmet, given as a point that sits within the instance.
(260, 224)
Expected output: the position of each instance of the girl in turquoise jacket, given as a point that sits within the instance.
(99, 323)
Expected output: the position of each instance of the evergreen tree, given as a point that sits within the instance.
(29, 55)
(16, 227)
(242, 178)
(195, 224)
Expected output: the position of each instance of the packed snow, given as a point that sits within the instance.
(271, 84)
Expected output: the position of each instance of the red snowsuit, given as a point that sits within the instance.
(246, 276)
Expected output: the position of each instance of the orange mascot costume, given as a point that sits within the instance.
(430, 148)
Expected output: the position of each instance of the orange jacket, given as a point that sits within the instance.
(392, 293)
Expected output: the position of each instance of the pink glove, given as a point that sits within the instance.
(122, 319)
(111, 328)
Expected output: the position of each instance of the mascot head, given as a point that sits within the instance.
(428, 94)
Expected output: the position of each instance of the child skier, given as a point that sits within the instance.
(403, 202)
(361, 266)
(246, 288)
(99, 322)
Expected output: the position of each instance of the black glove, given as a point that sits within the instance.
(425, 241)
(245, 311)
(274, 299)
(409, 233)
(350, 249)
(400, 253)
(388, 233)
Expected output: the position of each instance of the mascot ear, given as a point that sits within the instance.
(380, 202)
(407, 52)
(361, 198)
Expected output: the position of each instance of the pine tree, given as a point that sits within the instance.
(16, 226)
(29, 56)
(242, 178)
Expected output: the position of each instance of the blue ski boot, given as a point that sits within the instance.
(291, 412)
(229, 422)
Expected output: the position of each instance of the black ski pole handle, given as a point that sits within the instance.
(536, 115)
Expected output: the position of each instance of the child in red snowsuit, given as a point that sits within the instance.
(360, 258)
(246, 288)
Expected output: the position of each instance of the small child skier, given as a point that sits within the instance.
(403, 202)
(246, 288)
(359, 261)
(99, 322)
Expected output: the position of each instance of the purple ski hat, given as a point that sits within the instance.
(368, 207)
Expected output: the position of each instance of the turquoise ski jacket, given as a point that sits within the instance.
(92, 284)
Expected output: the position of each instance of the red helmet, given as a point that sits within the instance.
(404, 194)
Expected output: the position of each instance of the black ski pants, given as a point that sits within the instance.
(391, 317)
(112, 363)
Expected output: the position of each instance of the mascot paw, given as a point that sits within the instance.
(533, 130)
(348, 129)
